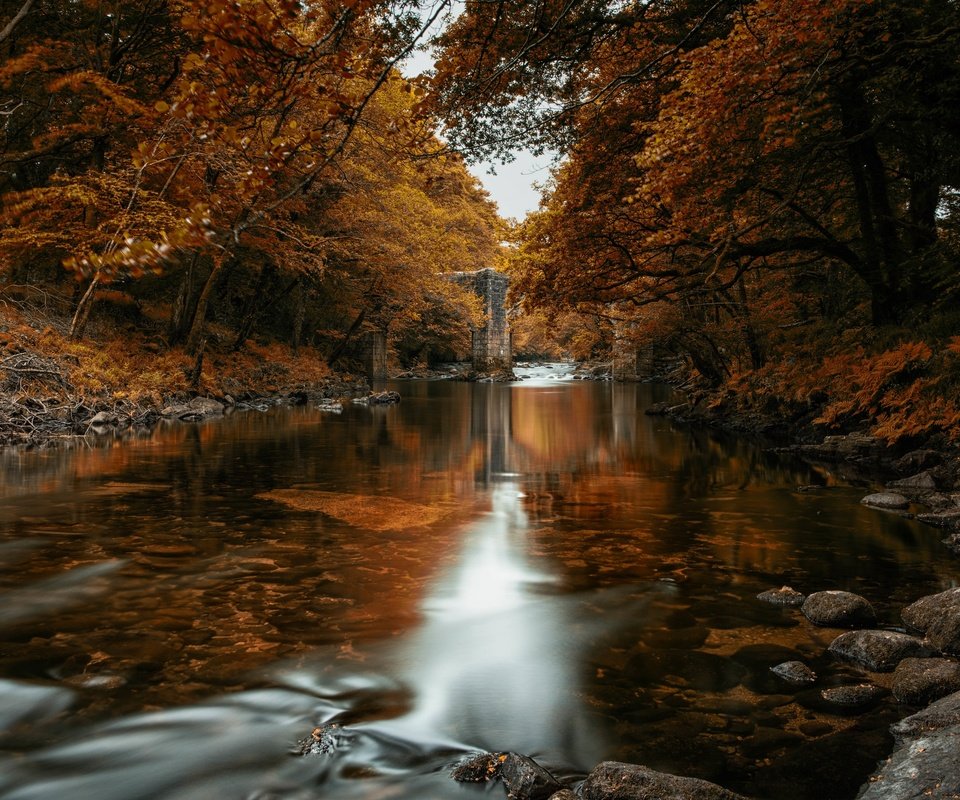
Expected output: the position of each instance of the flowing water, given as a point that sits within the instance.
(536, 567)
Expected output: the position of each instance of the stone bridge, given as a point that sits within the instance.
(492, 348)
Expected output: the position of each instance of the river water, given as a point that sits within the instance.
(536, 567)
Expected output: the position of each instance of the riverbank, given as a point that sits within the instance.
(919, 474)
(54, 388)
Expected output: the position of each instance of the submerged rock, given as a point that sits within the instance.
(784, 596)
(853, 697)
(918, 681)
(878, 651)
(937, 616)
(837, 609)
(614, 780)
(795, 672)
(886, 500)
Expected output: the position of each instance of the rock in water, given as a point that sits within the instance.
(938, 617)
(836, 609)
(853, 697)
(878, 651)
(919, 681)
(525, 779)
(795, 672)
(479, 768)
(784, 596)
(925, 763)
(321, 741)
(614, 780)
(887, 500)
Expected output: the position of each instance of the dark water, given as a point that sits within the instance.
(536, 567)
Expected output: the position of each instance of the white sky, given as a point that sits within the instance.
(512, 187)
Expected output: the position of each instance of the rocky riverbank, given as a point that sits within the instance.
(918, 479)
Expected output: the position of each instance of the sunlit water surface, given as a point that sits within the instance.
(536, 567)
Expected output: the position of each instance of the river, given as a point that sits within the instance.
(536, 567)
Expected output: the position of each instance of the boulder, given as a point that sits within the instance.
(853, 697)
(878, 651)
(614, 780)
(836, 609)
(478, 768)
(104, 419)
(795, 672)
(917, 460)
(197, 408)
(784, 596)
(937, 616)
(945, 713)
(525, 779)
(925, 768)
(922, 482)
(918, 681)
(890, 501)
(857, 447)
(948, 518)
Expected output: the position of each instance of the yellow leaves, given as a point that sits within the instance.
(162, 106)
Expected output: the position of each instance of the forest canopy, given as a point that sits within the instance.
(748, 184)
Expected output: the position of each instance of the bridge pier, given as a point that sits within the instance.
(373, 355)
(492, 348)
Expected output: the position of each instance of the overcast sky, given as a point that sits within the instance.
(512, 187)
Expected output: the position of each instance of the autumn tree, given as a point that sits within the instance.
(747, 164)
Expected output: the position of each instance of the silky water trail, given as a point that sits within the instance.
(536, 567)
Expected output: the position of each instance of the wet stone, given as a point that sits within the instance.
(918, 681)
(942, 714)
(814, 729)
(938, 617)
(321, 741)
(525, 779)
(853, 697)
(890, 501)
(878, 651)
(926, 767)
(838, 609)
(784, 596)
(795, 672)
(479, 768)
(614, 780)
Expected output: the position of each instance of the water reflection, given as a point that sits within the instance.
(495, 663)
(585, 590)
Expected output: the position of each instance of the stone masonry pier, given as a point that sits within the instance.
(492, 346)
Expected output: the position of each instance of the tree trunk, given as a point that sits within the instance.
(181, 306)
(341, 348)
(203, 301)
(299, 314)
(79, 322)
(253, 307)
